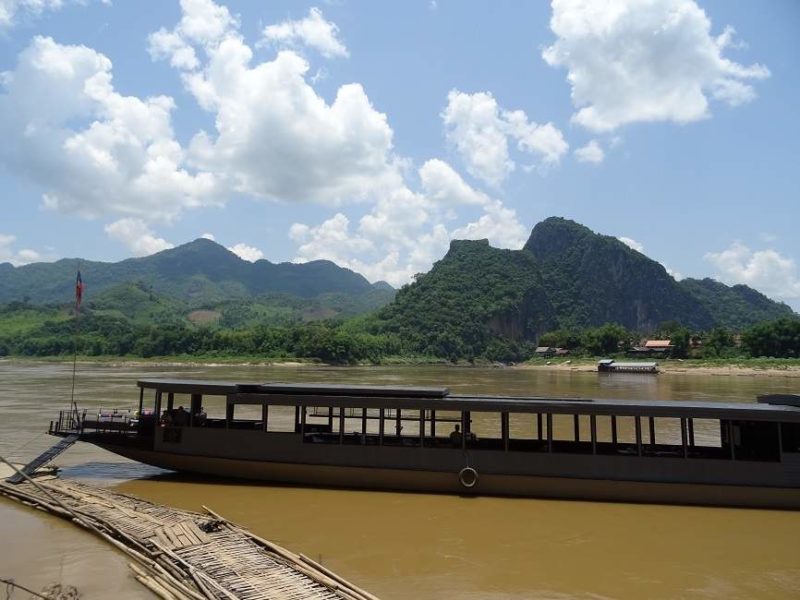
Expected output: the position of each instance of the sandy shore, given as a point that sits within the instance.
(679, 368)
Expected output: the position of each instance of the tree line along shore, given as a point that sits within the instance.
(373, 339)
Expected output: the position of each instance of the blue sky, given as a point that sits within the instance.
(373, 133)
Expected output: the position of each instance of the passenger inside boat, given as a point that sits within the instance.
(180, 418)
(199, 418)
(455, 436)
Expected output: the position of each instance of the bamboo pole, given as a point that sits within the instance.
(339, 578)
(166, 584)
(14, 584)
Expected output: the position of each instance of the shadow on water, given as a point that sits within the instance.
(111, 471)
(245, 485)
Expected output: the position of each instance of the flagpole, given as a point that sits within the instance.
(78, 296)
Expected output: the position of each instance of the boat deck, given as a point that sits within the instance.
(186, 555)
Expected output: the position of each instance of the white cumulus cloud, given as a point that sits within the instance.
(275, 137)
(637, 61)
(631, 243)
(16, 257)
(591, 153)
(480, 130)
(248, 253)
(92, 150)
(765, 270)
(137, 237)
(313, 31)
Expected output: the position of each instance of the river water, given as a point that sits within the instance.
(403, 545)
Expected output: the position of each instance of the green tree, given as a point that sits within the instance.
(776, 339)
(718, 342)
(606, 339)
(680, 339)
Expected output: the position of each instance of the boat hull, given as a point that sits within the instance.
(490, 484)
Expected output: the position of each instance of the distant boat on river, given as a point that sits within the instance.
(609, 365)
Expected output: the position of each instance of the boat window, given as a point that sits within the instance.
(401, 427)
(527, 432)
(707, 433)
(667, 432)
(214, 407)
(661, 436)
(571, 434)
(361, 426)
(790, 437)
(321, 421)
(756, 440)
(280, 419)
(440, 426)
(484, 431)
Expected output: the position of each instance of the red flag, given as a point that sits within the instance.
(78, 290)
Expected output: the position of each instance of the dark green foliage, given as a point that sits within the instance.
(571, 339)
(130, 319)
(606, 339)
(593, 279)
(472, 299)
(137, 302)
(718, 343)
(776, 339)
(478, 298)
(735, 307)
(680, 339)
(98, 335)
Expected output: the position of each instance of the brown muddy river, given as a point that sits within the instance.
(403, 545)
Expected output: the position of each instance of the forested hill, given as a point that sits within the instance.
(593, 279)
(738, 306)
(475, 296)
(199, 273)
(566, 276)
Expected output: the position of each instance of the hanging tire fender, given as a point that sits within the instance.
(468, 477)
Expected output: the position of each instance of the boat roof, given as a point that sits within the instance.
(190, 386)
(439, 398)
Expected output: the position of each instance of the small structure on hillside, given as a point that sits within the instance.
(652, 348)
(550, 352)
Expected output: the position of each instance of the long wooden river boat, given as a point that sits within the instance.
(422, 439)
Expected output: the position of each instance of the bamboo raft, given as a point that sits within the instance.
(183, 555)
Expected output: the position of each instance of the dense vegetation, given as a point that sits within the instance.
(593, 279)
(53, 331)
(477, 301)
(736, 307)
(568, 287)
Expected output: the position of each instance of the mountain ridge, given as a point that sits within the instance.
(480, 300)
(198, 271)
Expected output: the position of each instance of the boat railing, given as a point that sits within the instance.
(68, 422)
(120, 421)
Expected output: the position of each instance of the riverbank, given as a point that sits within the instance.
(758, 367)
